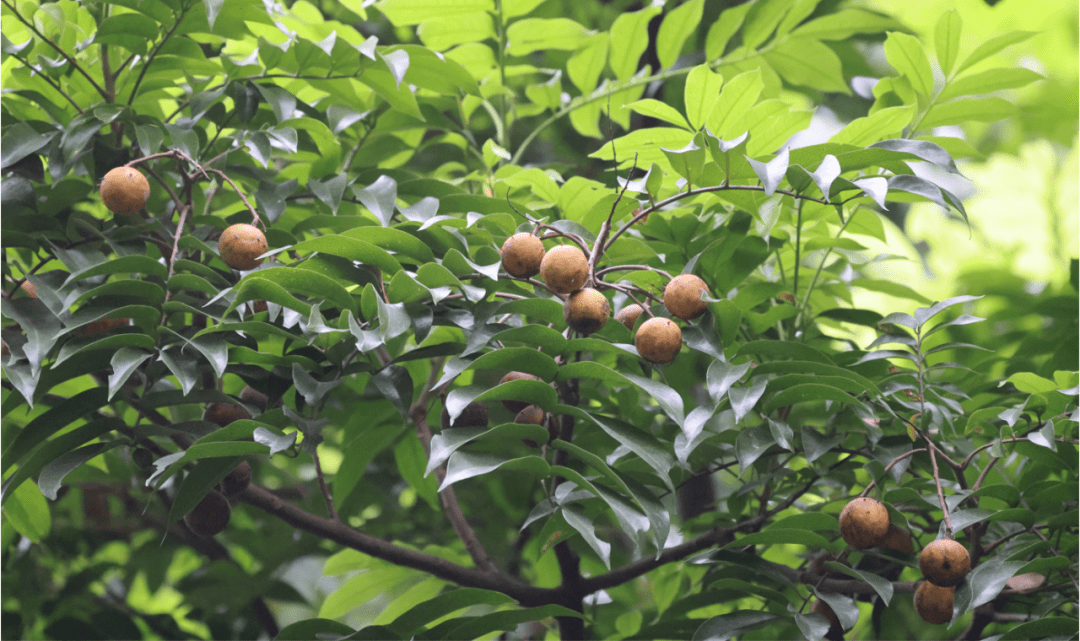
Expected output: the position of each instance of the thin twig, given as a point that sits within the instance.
(322, 486)
(940, 493)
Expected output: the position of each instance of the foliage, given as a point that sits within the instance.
(388, 149)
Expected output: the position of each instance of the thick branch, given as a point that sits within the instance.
(344, 535)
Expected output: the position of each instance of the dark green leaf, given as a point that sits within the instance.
(731, 625)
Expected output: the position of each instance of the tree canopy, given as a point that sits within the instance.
(455, 319)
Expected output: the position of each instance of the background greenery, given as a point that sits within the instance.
(389, 148)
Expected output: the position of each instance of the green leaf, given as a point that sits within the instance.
(312, 628)
(629, 38)
(668, 399)
(506, 620)
(662, 111)
(989, 81)
(1043, 627)
(679, 24)
(961, 110)
(881, 124)
(466, 465)
(124, 264)
(772, 173)
(410, 623)
(19, 141)
(733, 624)
(721, 31)
(586, 65)
(701, 92)
(1030, 383)
(992, 46)
(443, 33)
(844, 24)
(411, 460)
(808, 63)
(905, 53)
(983, 584)
(947, 40)
(53, 474)
(28, 512)
(738, 96)
(781, 536)
(410, 12)
(782, 349)
(124, 362)
(535, 34)
(762, 20)
(50, 422)
(890, 288)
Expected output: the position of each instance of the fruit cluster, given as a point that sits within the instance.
(864, 523)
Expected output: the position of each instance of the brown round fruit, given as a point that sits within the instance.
(565, 269)
(945, 563)
(531, 415)
(516, 406)
(934, 603)
(628, 315)
(864, 523)
(682, 296)
(658, 340)
(474, 415)
(586, 311)
(252, 396)
(221, 414)
(240, 244)
(210, 516)
(897, 539)
(522, 255)
(238, 480)
(29, 288)
(124, 190)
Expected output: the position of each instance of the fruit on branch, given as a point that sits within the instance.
(238, 480)
(864, 523)
(945, 563)
(221, 414)
(934, 603)
(257, 306)
(658, 340)
(210, 516)
(29, 288)
(565, 269)
(474, 415)
(516, 406)
(124, 190)
(522, 255)
(682, 296)
(628, 315)
(240, 244)
(586, 311)
(101, 326)
(252, 396)
(531, 415)
(897, 539)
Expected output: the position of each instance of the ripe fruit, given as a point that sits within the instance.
(238, 480)
(586, 311)
(934, 603)
(240, 244)
(945, 563)
(628, 315)
(682, 296)
(221, 414)
(210, 516)
(864, 523)
(531, 415)
(29, 288)
(124, 190)
(474, 415)
(521, 255)
(897, 539)
(252, 396)
(565, 269)
(658, 340)
(516, 406)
